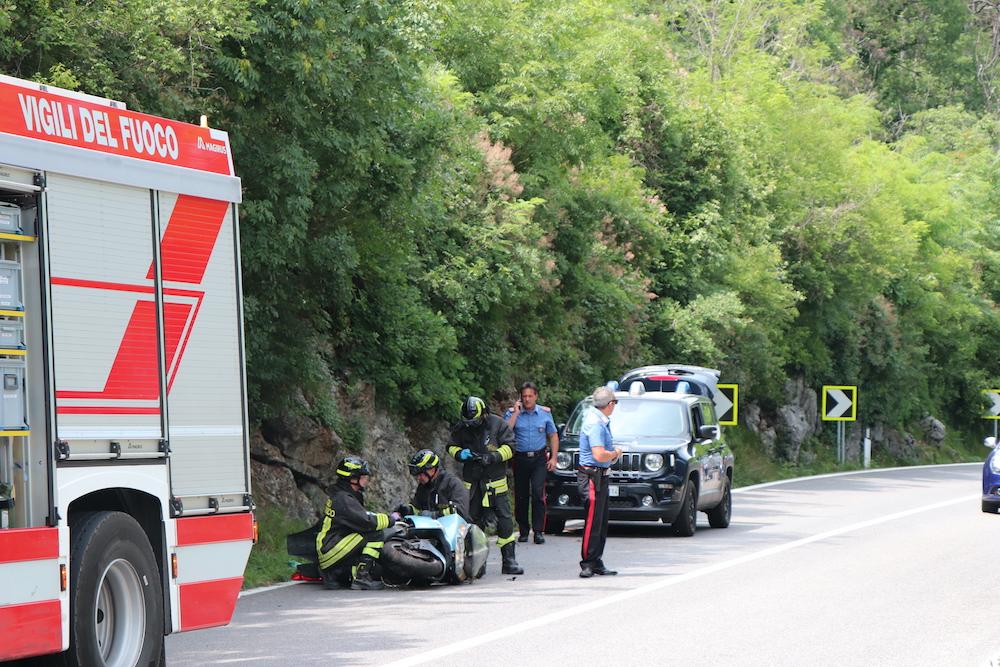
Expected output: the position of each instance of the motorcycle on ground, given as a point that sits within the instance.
(419, 551)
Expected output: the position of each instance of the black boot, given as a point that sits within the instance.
(363, 580)
(330, 580)
(510, 565)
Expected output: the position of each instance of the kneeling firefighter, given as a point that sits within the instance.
(439, 493)
(350, 539)
(484, 443)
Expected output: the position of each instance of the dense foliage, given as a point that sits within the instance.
(449, 196)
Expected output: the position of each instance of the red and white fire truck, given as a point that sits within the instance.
(125, 507)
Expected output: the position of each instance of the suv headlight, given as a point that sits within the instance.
(652, 462)
(564, 460)
(995, 463)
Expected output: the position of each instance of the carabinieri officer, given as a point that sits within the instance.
(596, 456)
(533, 426)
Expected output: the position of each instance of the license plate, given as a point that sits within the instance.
(613, 490)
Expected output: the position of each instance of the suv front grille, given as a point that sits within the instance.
(627, 463)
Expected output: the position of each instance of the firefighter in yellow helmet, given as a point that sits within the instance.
(484, 442)
(439, 493)
(350, 539)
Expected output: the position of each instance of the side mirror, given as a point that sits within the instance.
(990, 442)
(561, 430)
(708, 432)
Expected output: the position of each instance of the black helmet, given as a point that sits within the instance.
(352, 466)
(423, 461)
(473, 411)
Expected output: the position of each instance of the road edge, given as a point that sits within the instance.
(869, 471)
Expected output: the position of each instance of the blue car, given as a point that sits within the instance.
(991, 478)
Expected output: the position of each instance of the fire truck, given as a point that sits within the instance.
(125, 506)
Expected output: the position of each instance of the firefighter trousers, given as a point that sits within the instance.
(494, 495)
(339, 553)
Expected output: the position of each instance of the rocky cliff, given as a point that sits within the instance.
(293, 459)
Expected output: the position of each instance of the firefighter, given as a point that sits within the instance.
(483, 443)
(350, 539)
(438, 493)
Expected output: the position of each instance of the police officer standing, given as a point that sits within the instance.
(350, 539)
(439, 493)
(533, 426)
(483, 442)
(596, 456)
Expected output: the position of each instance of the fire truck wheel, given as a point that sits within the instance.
(116, 603)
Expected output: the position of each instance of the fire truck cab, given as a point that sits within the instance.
(125, 506)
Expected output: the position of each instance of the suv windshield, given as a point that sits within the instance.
(634, 418)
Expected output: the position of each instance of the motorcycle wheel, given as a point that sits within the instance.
(402, 560)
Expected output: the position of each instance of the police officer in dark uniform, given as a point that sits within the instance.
(351, 538)
(533, 429)
(484, 443)
(439, 493)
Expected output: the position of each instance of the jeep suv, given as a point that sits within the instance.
(674, 462)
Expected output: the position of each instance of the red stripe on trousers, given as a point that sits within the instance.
(30, 629)
(590, 519)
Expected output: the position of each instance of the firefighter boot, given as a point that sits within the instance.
(510, 565)
(363, 580)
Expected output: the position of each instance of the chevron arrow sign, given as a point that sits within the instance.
(840, 403)
(993, 403)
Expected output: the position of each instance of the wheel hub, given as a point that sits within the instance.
(120, 615)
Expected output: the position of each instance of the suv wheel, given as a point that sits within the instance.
(554, 526)
(990, 507)
(687, 520)
(719, 516)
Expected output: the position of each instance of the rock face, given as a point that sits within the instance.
(793, 423)
(294, 458)
(934, 430)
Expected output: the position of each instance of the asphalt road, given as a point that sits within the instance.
(893, 567)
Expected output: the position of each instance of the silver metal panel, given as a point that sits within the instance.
(104, 329)
(10, 218)
(207, 434)
(73, 161)
(10, 285)
(12, 406)
(11, 333)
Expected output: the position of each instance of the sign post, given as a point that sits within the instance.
(727, 404)
(840, 404)
(993, 411)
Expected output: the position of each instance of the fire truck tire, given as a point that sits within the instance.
(116, 602)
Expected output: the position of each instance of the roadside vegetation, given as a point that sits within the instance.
(446, 197)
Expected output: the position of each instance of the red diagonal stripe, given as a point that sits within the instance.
(189, 238)
(134, 373)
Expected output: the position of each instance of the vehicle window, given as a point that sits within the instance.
(696, 421)
(637, 418)
(708, 414)
(576, 419)
(675, 385)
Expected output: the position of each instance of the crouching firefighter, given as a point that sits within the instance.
(350, 540)
(484, 442)
(439, 493)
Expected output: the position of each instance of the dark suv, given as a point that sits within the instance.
(674, 464)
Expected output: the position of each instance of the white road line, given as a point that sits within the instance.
(663, 582)
(264, 589)
(869, 471)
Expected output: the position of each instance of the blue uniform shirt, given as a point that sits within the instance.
(596, 431)
(532, 428)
